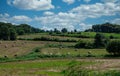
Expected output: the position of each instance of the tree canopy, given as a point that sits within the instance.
(106, 28)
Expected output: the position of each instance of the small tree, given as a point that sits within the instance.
(99, 40)
(13, 34)
(64, 30)
(4, 32)
(113, 47)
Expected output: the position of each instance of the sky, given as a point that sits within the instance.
(50, 14)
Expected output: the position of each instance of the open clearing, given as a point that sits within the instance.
(53, 67)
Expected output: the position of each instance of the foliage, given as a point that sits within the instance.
(53, 39)
(9, 31)
(78, 70)
(106, 27)
(64, 30)
(114, 47)
(4, 32)
(13, 34)
(84, 44)
(99, 41)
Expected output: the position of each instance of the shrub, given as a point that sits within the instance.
(113, 47)
(99, 41)
(80, 44)
(111, 37)
(37, 50)
(83, 44)
(89, 45)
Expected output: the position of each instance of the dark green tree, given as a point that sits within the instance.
(13, 34)
(56, 31)
(4, 32)
(99, 41)
(113, 47)
(64, 30)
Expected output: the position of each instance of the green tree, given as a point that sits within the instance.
(4, 32)
(64, 30)
(113, 47)
(13, 34)
(99, 41)
(56, 31)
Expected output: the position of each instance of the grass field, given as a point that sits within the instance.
(54, 67)
(52, 58)
(11, 48)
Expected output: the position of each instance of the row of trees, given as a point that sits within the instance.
(100, 41)
(9, 31)
(106, 27)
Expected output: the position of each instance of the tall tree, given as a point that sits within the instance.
(13, 34)
(99, 40)
(4, 32)
(64, 30)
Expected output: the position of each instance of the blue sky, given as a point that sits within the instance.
(50, 14)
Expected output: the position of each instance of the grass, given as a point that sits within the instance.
(24, 47)
(88, 35)
(53, 58)
(38, 67)
(52, 67)
(75, 52)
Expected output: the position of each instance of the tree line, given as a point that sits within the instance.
(106, 28)
(9, 31)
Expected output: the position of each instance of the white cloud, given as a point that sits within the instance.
(87, 1)
(106, 1)
(32, 4)
(21, 18)
(48, 13)
(70, 19)
(77, 15)
(97, 10)
(83, 26)
(15, 19)
(59, 21)
(4, 17)
(116, 21)
(69, 1)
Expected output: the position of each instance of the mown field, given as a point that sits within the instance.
(29, 57)
(55, 67)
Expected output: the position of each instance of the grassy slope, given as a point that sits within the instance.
(48, 67)
(54, 67)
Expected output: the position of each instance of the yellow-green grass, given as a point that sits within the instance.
(37, 67)
(11, 48)
(75, 52)
(39, 35)
(54, 67)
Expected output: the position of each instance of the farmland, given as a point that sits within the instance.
(28, 57)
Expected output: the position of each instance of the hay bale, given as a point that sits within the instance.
(5, 56)
(13, 45)
(15, 55)
(76, 50)
(68, 53)
(6, 46)
(0, 42)
(89, 52)
(50, 53)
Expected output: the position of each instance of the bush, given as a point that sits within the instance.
(89, 45)
(99, 41)
(113, 47)
(37, 50)
(83, 44)
(80, 44)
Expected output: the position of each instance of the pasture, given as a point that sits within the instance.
(55, 67)
(28, 57)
